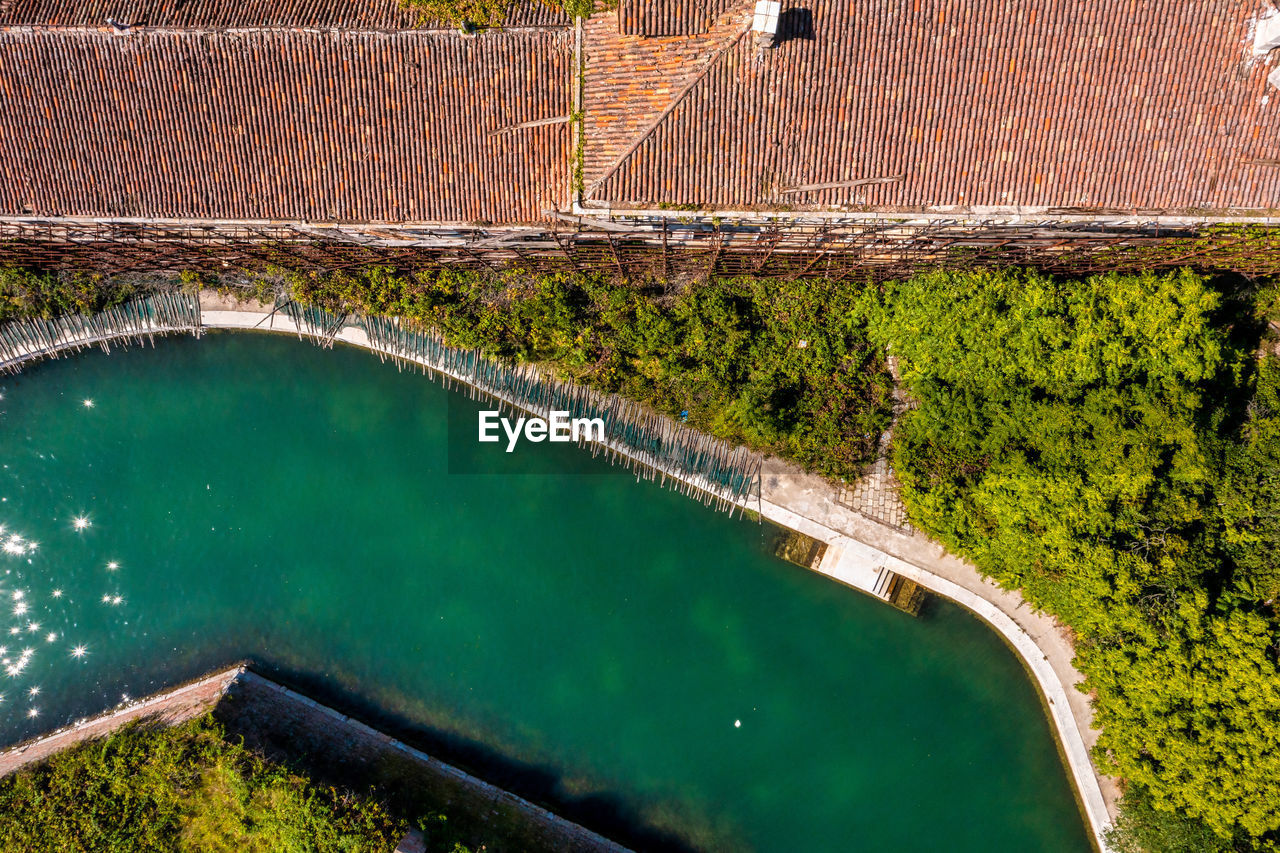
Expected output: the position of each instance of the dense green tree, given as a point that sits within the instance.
(26, 293)
(1057, 441)
(483, 13)
(1142, 828)
(784, 367)
(182, 788)
(989, 330)
(1072, 438)
(1250, 492)
(1189, 707)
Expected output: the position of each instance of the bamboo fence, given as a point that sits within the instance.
(653, 446)
(138, 320)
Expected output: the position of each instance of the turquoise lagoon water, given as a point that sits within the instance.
(605, 646)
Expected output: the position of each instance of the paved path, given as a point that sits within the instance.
(809, 504)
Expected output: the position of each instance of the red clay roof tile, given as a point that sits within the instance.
(1093, 104)
(318, 126)
(669, 17)
(221, 14)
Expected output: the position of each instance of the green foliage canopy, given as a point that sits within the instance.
(1074, 439)
(29, 294)
(781, 366)
(1190, 709)
(484, 13)
(183, 788)
(1058, 438)
(1250, 492)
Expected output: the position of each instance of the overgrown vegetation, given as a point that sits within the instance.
(25, 294)
(781, 366)
(1254, 249)
(182, 788)
(481, 14)
(1112, 447)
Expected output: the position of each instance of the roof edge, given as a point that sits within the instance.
(69, 29)
(712, 60)
(985, 215)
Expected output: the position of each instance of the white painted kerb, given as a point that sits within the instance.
(855, 567)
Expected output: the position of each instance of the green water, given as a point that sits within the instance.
(590, 640)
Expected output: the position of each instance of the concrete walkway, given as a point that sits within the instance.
(808, 504)
(263, 712)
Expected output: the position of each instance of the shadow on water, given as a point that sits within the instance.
(605, 814)
(930, 607)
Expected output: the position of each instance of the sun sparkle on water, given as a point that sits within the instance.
(27, 605)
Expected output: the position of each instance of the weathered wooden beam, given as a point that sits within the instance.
(590, 222)
(525, 125)
(840, 185)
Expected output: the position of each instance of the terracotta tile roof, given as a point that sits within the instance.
(1057, 103)
(323, 126)
(629, 80)
(218, 14)
(669, 17)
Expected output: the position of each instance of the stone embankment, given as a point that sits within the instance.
(274, 719)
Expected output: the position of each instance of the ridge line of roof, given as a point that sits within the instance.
(713, 60)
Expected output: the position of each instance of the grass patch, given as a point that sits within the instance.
(185, 787)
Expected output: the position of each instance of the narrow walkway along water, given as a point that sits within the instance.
(266, 715)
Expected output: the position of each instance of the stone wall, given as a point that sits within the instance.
(277, 721)
(175, 706)
(289, 727)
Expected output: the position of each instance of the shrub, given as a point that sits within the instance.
(181, 788)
